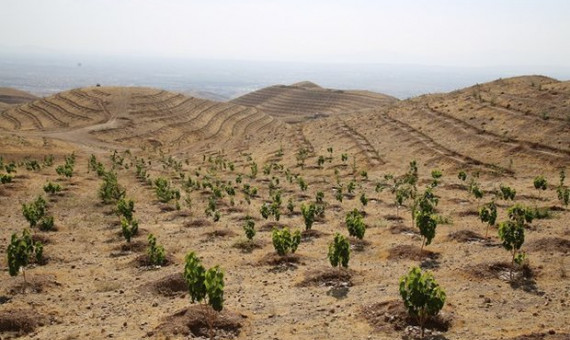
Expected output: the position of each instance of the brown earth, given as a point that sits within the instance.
(92, 287)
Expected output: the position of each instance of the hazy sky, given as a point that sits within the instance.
(430, 32)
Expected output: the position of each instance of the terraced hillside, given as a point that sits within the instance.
(223, 166)
(302, 101)
(134, 117)
(10, 96)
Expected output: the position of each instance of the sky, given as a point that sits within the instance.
(459, 33)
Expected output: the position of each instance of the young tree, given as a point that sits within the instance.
(540, 183)
(129, 228)
(425, 217)
(126, 208)
(309, 212)
(488, 215)
(422, 296)
(364, 199)
(51, 188)
(562, 191)
(110, 191)
(21, 252)
(249, 228)
(355, 224)
(339, 251)
(156, 253)
(285, 242)
(511, 234)
(205, 286)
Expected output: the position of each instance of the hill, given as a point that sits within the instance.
(305, 100)
(135, 117)
(13, 96)
(225, 164)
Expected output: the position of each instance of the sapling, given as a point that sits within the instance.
(506, 192)
(355, 224)
(540, 183)
(344, 158)
(129, 228)
(110, 191)
(21, 252)
(425, 217)
(562, 191)
(51, 188)
(302, 184)
(511, 234)
(309, 212)
(5, 178)
(321, 161)
(364, 199)
(290, 206)
(285, 242)
(350, 187)
(126, 208)
(205, 286)
(422, 296)
(338, 194)
(488, 215)
(319, 197)
(156, 254)
(249, 228)
(339, 251)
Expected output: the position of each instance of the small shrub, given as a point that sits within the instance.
(126, 208)
(422, 295)
(285, 242)
(156, 254)
(129, 228)
(164, 192)
(355, 224)
(309, 212)
(488, 215)
(110, 191)
(249, 228)
(21, 252)
(51, 188)
(339, 251)
(5, 178)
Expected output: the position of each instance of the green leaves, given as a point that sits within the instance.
(284, 242)
(156, 253)
(506, 192)
(21, 251)
(125, 208)
(194, 273)
(355, 224)
(36, 214)
(540, 183)
(214, 283)
(129, 228)
(204, 284)
(164, 192)
(309, 212)
(110, 191)
(422, 295)
(511, 234)
(249, 228)
(339, 251)
(488, 214)
(51, 188)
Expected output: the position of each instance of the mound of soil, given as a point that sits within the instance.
(171, 285)
(247, 246)
(389, 316)
(20, 322)
(220, 233)
(358, 244)
(409, 252)
(307, 235)
(550, 244)
(198, 223)
(142, 261)
(466, 213)
(522, 275)
(465, 235)
(281, 263)
(192, 321)
(36, 284)
(270, 225)
(331, 277)
(393, 218)
(129, 247)
(551, 335)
